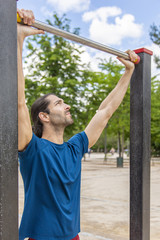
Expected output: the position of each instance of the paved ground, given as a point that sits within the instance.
(105, 200)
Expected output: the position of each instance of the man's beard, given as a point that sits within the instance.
(69, 122)
(57, 121)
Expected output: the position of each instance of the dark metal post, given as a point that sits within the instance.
(8, 121)
(140, 148)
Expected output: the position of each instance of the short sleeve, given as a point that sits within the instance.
(80, 141)
(33, 146)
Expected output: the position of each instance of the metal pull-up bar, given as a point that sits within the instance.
(78, 39)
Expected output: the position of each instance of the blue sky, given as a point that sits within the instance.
(118, 23)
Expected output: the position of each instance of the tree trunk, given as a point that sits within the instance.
(105, 145)
(123, 142)
(119, 144)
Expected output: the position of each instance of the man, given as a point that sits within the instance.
(51, 168)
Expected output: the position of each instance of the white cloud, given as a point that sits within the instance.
(46, 12)
(102, 13)
(109, 32)
(64, 6)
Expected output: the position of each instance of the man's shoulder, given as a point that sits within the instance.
(35, 145)
(79, 140)
(77, 136)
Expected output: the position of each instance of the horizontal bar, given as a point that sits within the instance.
(78, 39)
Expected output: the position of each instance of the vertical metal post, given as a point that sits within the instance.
(8, 121)
(140, 148)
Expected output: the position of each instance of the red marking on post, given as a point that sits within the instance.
(145, 50)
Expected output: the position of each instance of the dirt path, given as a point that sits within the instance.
(105, 201)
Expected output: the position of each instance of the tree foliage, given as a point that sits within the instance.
(99, 85)
(155, 96)
(155, 116)
(55, 68)
(155, 37)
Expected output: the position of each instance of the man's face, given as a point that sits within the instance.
(59, 112)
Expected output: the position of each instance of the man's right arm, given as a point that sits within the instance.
(24, 122)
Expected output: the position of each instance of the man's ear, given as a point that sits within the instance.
(44, 117)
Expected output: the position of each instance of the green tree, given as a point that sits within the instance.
(120, 119)
(155, 96)
(98, 86)
(55, 67)
(155, 116)
(155, 37)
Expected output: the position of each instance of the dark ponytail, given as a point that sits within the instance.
(40, 105)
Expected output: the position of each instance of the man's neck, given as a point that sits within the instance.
(54, 135)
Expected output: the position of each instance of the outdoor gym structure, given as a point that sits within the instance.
(139, 133)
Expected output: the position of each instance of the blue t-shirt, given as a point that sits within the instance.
(51, 174)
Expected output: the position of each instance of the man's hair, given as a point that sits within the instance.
(40, 105)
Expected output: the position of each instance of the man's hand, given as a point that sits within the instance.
(28, 18)
(129, 65)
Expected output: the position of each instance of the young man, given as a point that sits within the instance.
(51, 168)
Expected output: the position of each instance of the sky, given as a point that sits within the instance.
(119, 24)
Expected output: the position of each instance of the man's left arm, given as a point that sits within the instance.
(111, 102)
